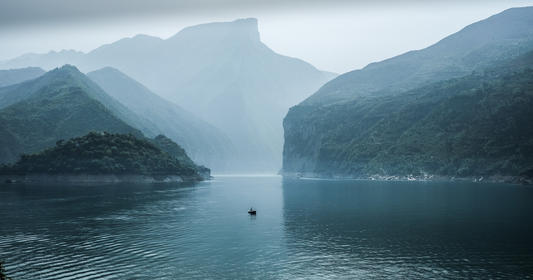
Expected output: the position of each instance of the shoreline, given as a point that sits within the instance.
(95, 178)
(516, 180)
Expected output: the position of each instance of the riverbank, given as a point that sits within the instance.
(522, 180)
(93, 178)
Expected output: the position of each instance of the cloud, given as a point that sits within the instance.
(31, 12)
(23, 12)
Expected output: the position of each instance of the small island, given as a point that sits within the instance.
(106, 157)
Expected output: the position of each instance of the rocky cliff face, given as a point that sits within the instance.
(303, 140)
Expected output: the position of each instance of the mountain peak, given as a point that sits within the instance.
(250, 22)
(66, 69)
(246, 28)
(107, 69)
(66, 52)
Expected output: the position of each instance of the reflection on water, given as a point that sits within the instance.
(303, 229)
(409, 230)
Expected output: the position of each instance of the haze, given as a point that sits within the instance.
(311, 31)
(266, 139)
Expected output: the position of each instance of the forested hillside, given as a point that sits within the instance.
(475, 125)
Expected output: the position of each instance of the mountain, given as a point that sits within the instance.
(221, 72)
(15, 76)
(46, 61)
(502, 36)
(62, 104)
(58, 105)
(70, 76)
(106, 154)
(468, 123)
(203, 142)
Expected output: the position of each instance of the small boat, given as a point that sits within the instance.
(252, 211)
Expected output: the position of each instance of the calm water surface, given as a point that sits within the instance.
(304, 229)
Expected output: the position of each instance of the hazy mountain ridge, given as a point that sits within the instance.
(220, 72)
(47, 61)
(15, 76)
(474, 125)
(203, 142)
(502, 36)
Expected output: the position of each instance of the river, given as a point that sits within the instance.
(304, 229)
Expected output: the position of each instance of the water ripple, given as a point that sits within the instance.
(303, 230)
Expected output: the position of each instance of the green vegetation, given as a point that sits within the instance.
(64, 103)
(477, 125)
(37, 123)
(478, 46)
(459, 108)
(105, 153)
(61, 104)
(177, 152)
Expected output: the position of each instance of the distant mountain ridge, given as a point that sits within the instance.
(203, 142)
(472, 122)
(502, 36)
(221, 72)
(15, 76)
(47, 61)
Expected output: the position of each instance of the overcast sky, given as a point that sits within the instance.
(333, 35)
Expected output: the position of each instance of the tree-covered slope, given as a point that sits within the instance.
(15, 76)
(477, 125)
(502, 36)
(456, 108)
(53, 112)
(105, 153)
(203, 142)
(70, 76)
(63, 104)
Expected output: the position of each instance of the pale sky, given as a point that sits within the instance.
(332, 35)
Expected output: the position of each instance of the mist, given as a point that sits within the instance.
(254, 139)
(219, 78)
(369, 31)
